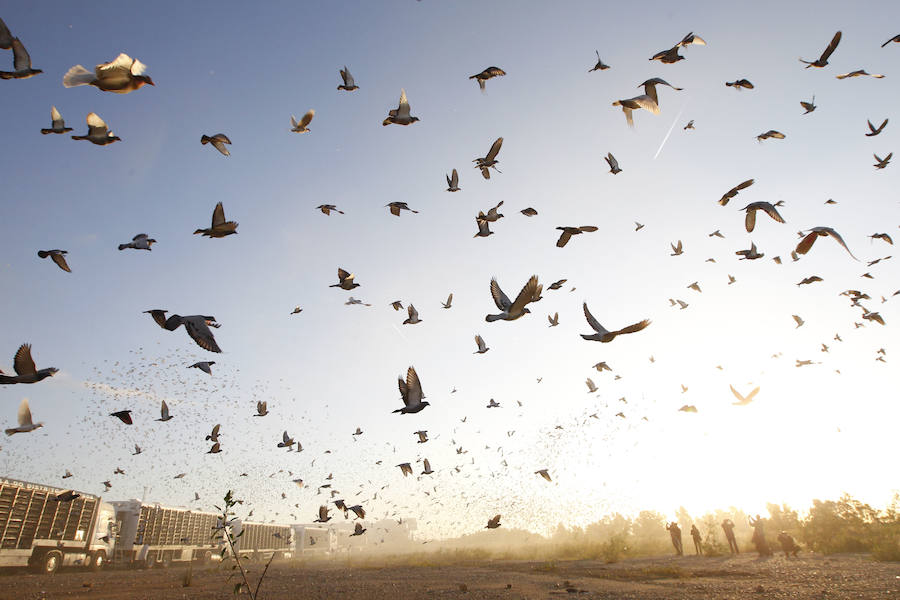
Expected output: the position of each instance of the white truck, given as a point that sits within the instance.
(314, 540)
(44, 527)
(260, 541)
(151, 535)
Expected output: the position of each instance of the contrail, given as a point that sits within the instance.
(400, 333)
(666, 139)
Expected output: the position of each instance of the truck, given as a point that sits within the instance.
(152, 535)
(44, 527)
(313, 540)
(260, 541)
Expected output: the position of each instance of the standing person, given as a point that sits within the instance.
(759, 536)
(695, 534)
(728, 527)
(675, 532)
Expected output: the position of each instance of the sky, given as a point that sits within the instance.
(812, 432)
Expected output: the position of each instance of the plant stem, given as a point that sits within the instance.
(261, 577)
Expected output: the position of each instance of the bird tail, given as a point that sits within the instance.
(76, 76)
(10, 431)
(492, 318)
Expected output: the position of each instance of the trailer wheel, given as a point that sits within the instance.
(97, 560)
(50, 562)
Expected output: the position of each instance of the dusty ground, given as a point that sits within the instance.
(810, 576)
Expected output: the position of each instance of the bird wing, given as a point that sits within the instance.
(837, 236)
(414, 386)
(21, 60)
(201, 334)
(752, 394)
(56, 118)
(495, 149)
(164, 410)
(644, 101)
(634, 328)
(692, 39)
(770, 210)
(738, 395)
(413, 313)
(23, 363)
(750, 219)
(427, 464)
(527, 294)
(347, 77)
(307, 118)
(403, 107)
(24, 414)
(6, 37)
(449, 299)
(96, 125)
(500, 299)
(831, 47)
(218, 216)
(594, 323)
(564, 237)
(588, 228)
(806, 243)
(60, 260)
(611, 160)
(885, 122)
(117, 71)
(483, 229)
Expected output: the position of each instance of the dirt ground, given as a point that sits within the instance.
(810, 576)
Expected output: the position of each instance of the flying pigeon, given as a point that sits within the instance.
(120, 76)
(26, 371)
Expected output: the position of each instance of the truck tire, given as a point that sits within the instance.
(97, 560)
(50, 562)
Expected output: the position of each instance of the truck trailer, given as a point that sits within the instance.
(44, 527)
(151, 535)
(260, 541)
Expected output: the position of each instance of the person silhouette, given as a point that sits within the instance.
(728, 527)
(759, 536)
(695, 535)
(788, 545)
(675, 532)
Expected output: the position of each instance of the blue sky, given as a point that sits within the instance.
(245, 69)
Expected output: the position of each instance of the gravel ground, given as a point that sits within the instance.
(809, 576)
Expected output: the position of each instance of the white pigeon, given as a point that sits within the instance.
(141, 241)
(25, 422)
(301, 125)
(648, 100)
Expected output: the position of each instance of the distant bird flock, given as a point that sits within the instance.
(125, 74)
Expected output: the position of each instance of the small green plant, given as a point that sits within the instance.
(224, 532)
